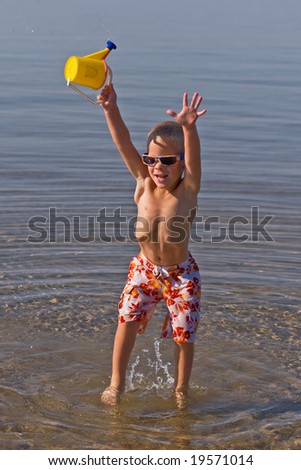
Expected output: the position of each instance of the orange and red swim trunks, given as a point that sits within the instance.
(180, 287)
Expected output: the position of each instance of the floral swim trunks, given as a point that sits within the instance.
(180, 287)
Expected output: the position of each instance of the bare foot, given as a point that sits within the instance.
(181, 399)
(110, 396)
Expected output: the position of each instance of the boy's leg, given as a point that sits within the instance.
(184, 353)
(123, 345)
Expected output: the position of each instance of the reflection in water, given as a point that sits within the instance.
(239, 398)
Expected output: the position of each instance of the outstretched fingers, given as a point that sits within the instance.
(201, 113)
(189, 112)
(171, 113)
(195, 102)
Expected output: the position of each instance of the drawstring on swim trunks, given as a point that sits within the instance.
(160, 271)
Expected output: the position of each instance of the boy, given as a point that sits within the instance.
(167, 185)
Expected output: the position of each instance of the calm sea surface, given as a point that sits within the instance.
(59, 297)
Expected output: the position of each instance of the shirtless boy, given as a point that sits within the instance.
(167, 184)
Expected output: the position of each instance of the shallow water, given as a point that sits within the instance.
(58, 300)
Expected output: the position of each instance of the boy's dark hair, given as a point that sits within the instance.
(169, 131)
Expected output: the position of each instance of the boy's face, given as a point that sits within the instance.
(165, 177)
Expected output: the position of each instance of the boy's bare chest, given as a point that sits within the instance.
(152, 206)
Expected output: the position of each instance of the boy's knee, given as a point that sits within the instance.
(185, 346)
(129, 325)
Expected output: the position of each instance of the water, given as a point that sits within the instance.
(58, 300)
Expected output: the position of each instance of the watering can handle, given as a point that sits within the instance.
(69, 84)
(84, 95)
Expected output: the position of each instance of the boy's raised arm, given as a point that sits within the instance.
(187, 118)
(120, 133)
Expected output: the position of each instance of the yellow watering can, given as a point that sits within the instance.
(91, 71)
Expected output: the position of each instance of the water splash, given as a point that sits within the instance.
(134, 376)
(103, 25)
(27, 27)
(155, 376)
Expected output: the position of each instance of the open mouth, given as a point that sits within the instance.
(160, 178)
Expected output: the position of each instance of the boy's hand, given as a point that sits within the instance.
(107, 98)
(189, 113)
